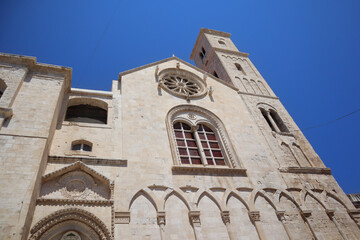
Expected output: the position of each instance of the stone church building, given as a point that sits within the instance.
(172, 152)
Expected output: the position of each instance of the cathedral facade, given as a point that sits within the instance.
(172, 152)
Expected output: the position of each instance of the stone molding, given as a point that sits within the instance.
(309, 170)
(122, 217)
(306, 213)
(54, 201)
(74, 166)
(88, 160)
(212, 170)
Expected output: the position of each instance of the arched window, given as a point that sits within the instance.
(86, 110)
(2, 87)
(215, 74)
(267, 118)
(273, 119)
(81, 145)
(280, 124)
(199, 138)
(222, 42)
(191, 141)
(238, 67)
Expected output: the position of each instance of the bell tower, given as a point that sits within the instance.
(215, 53)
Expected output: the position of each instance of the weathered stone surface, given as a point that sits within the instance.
(268, 182)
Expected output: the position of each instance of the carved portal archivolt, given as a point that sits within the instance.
(70, 224)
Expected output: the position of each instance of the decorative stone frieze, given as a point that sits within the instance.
(122, 217)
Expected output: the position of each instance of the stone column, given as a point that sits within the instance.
(195, 222)
(255, 219)
(225, 215)
(305, 214)
(281, 216)
(331, 214)
(272, 122)
(161, 222)
(198, 142)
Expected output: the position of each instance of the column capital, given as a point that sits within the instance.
(225, 215)
(195, 218)
(254, 216)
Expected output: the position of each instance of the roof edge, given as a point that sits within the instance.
(209, 31)
(32, 64)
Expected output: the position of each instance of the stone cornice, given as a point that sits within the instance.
(74, 166)
(89, 92)
(53, 201)
(35, 67)
(257, 95)
(88, 160)
(306, 170)
(210, 170)
(228, 51)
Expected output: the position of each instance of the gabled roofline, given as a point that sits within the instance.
(72, 167)
(201, 34)
(182, 61)
(34, 66)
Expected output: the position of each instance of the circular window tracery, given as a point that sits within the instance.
(182, 83)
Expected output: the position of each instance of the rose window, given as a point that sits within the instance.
(181, 85)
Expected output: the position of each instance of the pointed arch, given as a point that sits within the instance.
(237, 196)
(198, 115)
(212, 197)
(178, 194)
(146, 192)
(74, 215)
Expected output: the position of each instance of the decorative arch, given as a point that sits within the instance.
(51, 224)
(146, 192)
(195, 115)
(213, 198)
(179, 195)
(249, 207)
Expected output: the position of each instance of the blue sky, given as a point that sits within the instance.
(308, 52)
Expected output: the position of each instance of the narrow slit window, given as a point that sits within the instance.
(215, 74)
